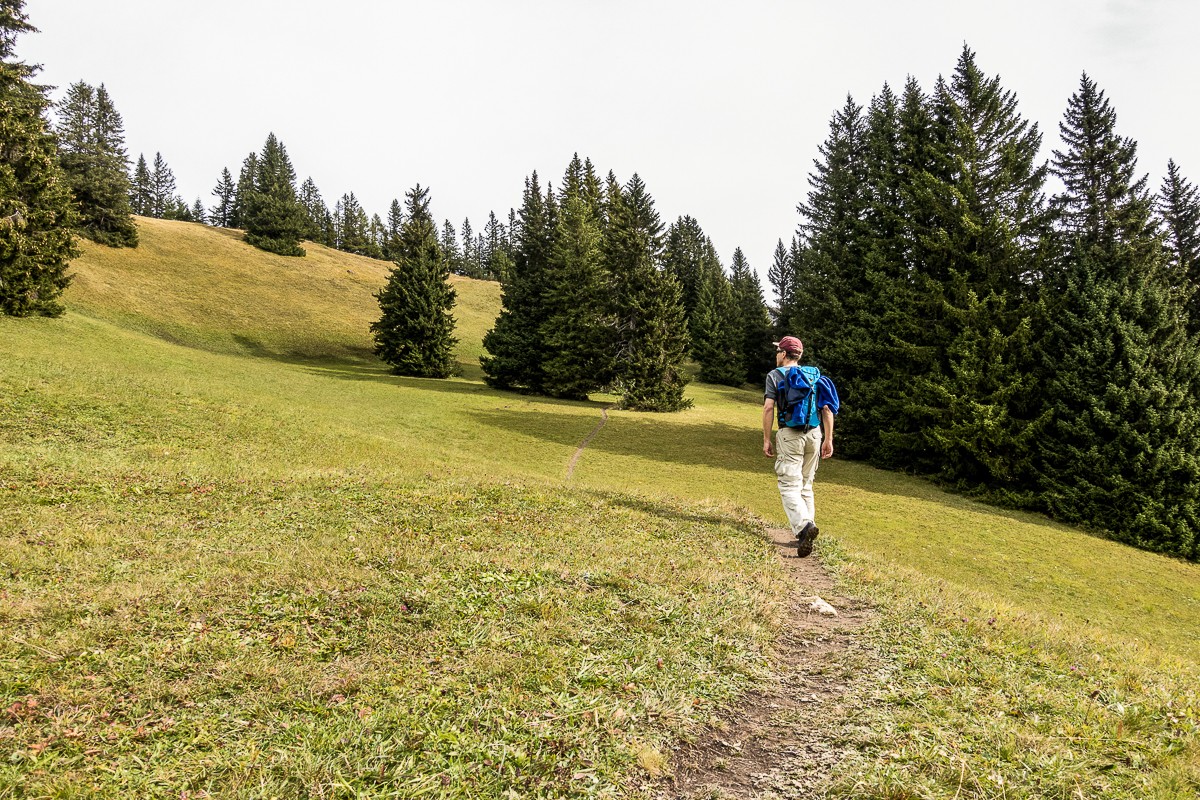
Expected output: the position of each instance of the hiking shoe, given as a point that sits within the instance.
(805, 539)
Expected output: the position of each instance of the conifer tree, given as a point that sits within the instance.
(650, 324)
(376, 233)
(450, 250)
(221, 214)
(690, 257)
(353, 226)
(35, 202)
(986, 197)
(1119, 374)
(391, 234)
(163, 200)
(272, 214)
(141, 190)
(782, 278)
(1179, 208)
(314, 213)
(91, 140)
(493, 238)
(516, 351)
(245, 187)
(754, 324)
(576, 333)
(196, 212)
(470, 251)
(716, 333)
(414, 334)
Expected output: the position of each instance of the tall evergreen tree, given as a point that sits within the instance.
(1119, 374)
(91, 140)
(196, 212)
(1179, 208)
(36, 212)
(976, 425)
(314, 222)
(651, 326)
(141, 189)
(414, 334)
(353, 226)
(470, 251)
(754, 323)
(493, 241)
(376, 234)
(690, 257)
(163, 200)
(450, 249)
(391, 234)
(781, 275)
(272, 213)
(516, 351)
(576, 333)
(221, 214)
(716, 332)
(245, 188)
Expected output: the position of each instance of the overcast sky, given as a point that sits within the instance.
(719, 106)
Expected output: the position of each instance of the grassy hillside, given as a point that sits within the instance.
(242, 558)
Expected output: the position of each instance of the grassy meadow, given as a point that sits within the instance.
(240, 559)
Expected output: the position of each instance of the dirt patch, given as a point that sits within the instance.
(777, 742)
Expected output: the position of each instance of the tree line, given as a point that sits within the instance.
(1037, 349)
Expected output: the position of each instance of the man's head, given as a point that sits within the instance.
(789, 348)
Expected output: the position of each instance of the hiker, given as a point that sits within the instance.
(804, 401)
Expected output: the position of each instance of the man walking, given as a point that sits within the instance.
(805, 405)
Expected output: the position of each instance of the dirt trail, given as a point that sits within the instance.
(777, 744)
(588, 440)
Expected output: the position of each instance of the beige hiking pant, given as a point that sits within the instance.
(796, 458)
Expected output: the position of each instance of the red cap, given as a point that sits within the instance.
(791, 344)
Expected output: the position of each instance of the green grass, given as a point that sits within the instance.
(238, 557)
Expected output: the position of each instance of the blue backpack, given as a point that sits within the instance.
(796, 397)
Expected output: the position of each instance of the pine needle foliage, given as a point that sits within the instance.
(36, 213)
(272, 214)
(414, 334)
(651, 326)
(91, 141)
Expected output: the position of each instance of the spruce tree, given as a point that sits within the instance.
(375, 237)
(516, 351)
(754, 323)
(314, 213)
(470, 251)
(141, 189)
(163, 200)
(576, 333)
(689, 255)
(986, 197)
(245, 188)
(1179, 209)
(272, 214)
(414, 333)
(91, 141)
(36, 212)
(1119, 374)
(716, 332)
(493, 241)
(782, 278)
(221, 214)
(196, 212)
(353, 226)
(647, 304)
(450, 250)
(391, 234)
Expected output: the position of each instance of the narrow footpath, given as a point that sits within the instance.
(777, 743)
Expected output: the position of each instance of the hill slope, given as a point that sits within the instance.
(214, 498)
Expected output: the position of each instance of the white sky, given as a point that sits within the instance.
(719, 106)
